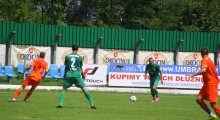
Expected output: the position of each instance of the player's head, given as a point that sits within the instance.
(204, 51)
(42, 54)
(151, 61)
(75, 47)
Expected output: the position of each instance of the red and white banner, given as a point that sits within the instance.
(18, 54)
(161, 58)
(95, 74)
(140, 80)
(2, 54)
(133, 75)
(191, 59)
(87, 55)
(107, 57)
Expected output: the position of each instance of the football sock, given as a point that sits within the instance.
(217, 110)
(205, 107)
(62, 96)
(209, 112)
(156, 92)
(153, 94)
(28, 95)
(17, 93)
(89, 97)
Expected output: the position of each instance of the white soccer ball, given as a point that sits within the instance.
(133, 98)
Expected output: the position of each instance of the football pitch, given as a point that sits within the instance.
(110, 106)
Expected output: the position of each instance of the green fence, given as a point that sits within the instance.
(154, 40)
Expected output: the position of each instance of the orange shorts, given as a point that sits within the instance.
(209, 93)
(28, 81)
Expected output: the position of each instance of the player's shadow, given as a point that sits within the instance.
(68, 107)
(143, 100)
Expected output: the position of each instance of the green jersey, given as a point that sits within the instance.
(73, 63)
(153, 71)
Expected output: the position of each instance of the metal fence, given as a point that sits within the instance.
(154, 40)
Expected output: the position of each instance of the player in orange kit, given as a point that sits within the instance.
(35, 77)
(209, 91)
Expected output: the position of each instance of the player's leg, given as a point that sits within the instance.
(78, 81)
(216, 108)
(19, 90)
(89, 97)
(17, 93)
(152, 88)
(200, 100)
(212, 92)
(29, 93)
(66, 84)
(155, 88)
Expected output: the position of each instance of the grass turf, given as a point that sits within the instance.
(111, 106)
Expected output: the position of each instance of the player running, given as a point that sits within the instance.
(74, 75)
(39, 66)
(209, 90)
(154, 70)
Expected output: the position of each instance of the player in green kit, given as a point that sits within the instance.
(74, 75)
(154, 69)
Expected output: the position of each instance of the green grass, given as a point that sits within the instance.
(111, 106)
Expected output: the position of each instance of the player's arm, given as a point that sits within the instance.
(83, 76)
(29, 67)
(161, 74)
(146, 72)
(65, 63)
(201, 71)
(46, 71)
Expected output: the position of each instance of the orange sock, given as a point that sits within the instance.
(203, 106)
(17, 93)
(217, 110)
(28, 95)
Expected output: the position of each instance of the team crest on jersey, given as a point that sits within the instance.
(151, 72)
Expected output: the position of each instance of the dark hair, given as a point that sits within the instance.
(75, 47)
(150, 58)
(204, 51)
(42, 54)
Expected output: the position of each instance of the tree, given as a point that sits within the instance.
(19, 11)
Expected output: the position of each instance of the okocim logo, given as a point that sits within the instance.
(30, 53)
(114, 57)
(158, 58)
(192, 59)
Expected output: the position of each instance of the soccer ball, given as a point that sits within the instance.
(133, 98)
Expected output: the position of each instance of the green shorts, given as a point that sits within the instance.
(154, 83)
(76, 80)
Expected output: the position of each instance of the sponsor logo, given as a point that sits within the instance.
(158, 58)
(193, 59)
(114, 57)
(129, 68)
(94, 81)
(30, 53)
(90, 71)
(80, 52)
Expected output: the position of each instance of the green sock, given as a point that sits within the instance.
(62, 96)
(153, 94)
(89, 97)
(156, 92)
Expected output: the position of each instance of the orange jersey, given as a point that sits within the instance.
(39, 65)
(210, 77)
